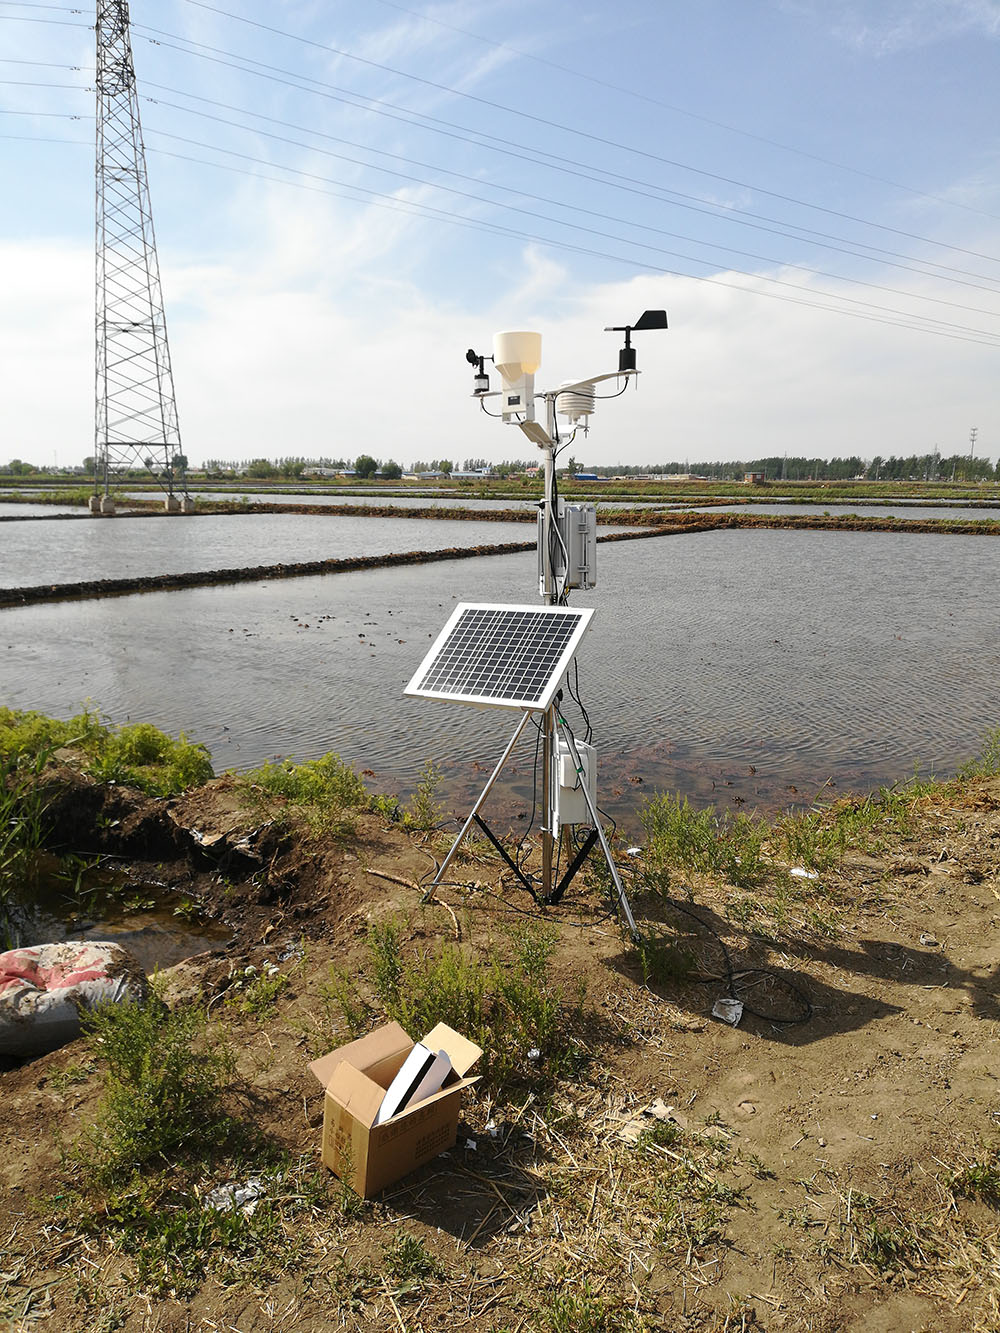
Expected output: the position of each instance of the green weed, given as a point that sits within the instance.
(408, 1264)
(664, 957)
(987, 763)
(503, 998)
(979, 1178)
(584, 1311)
(325, 794)
(702, 841)
(176, 1238)
(883, 1237)
(139, 755)
(22, 826)
(163, 1086)
(254, 992)
(807, 839)
(425, 811)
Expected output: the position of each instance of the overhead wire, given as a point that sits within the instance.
(867, 311)
(898, 318)
(712, 245)
(569, 166)
(545, 121)
(685, 111)
(731, 215)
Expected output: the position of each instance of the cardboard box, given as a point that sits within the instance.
(368, 1157)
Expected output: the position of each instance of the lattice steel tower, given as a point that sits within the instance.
(136, 415)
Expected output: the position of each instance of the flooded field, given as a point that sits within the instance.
(59, 552)
(741, 668)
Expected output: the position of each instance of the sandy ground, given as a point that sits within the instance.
(821, 1160)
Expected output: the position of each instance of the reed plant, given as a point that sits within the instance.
(22, 829)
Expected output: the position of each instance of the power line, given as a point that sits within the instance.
(420, 180)
(375, 199)
(568, 166)
(683, 111)
(901, 319)
(552, 124)
(717, 246)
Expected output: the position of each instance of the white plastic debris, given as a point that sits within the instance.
(633, 851)
(534, 1054)
(728, 1009)
(235, 1198)
(800, 872)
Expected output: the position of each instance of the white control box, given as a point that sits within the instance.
(569, 804)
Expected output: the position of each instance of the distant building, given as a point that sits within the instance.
(754, 478)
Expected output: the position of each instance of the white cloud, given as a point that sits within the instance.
(887, 26)
(276, 354)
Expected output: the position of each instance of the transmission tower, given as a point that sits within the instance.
(136, 412)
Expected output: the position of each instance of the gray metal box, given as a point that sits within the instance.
(577, 525)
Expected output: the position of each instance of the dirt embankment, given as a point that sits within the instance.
(833, 1174)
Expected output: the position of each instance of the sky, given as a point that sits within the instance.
(347, 197)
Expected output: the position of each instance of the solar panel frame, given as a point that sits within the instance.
(495, 655)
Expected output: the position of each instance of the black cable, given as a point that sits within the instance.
(575, 696)
(736, 980)
(484, 408)
(519, 852)
(605, 396)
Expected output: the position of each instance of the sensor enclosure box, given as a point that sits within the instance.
(569, 805)
(577, 525)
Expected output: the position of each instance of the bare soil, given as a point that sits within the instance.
(820, 1157)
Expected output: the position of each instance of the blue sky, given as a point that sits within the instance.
(348, 196)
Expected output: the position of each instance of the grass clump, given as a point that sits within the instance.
(702, 841)
(986, 764)
(585, 1311)
(163, 1087)
(324, 794)
(409, 1265)
(139, 755)
(167, 1175)
(425, 811)
(176, 1235)
(22, 813)
(979, 1178)
(503, 998)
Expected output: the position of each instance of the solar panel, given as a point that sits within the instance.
(501, 656)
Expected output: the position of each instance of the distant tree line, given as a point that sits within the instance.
(914, 467)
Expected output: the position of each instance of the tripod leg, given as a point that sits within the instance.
(619, 886)
(476, 808)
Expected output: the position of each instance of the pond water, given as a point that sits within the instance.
(735, 667)
(14, 510)
(32, 553)
(158, 927)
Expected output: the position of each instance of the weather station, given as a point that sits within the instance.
(518, 656)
